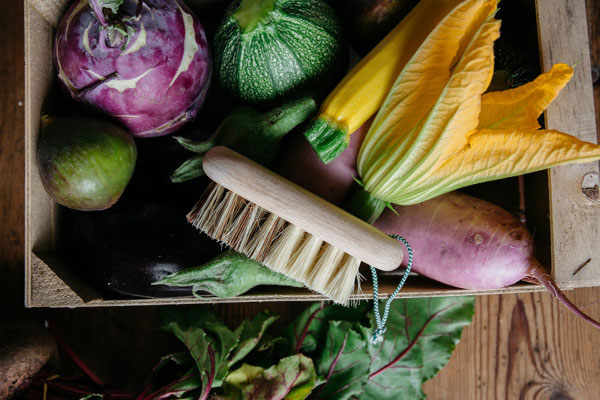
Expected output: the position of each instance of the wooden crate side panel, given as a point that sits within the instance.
(55, 285)
(50, 10)
(575, 218)
(55, 293)
(39, 211)
(48, 287)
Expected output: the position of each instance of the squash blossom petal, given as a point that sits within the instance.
(437, 131)
(520, 107)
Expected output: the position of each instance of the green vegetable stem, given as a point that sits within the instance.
(227, 275)
(249, 132)
(364, 206)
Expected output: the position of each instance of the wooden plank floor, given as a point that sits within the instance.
(519, 346)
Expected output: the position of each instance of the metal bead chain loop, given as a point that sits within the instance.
(380, 330)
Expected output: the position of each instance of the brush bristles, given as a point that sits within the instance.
(276, 243)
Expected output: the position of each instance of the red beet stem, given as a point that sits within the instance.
(538, 272)
(64, 345)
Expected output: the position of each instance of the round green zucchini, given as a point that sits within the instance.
(267, 50)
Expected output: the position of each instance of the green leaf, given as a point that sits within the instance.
(443, 319)
(293, 378)
(180, 366)
(420, 337)
(208, 340)
(268, 343)
(402, 378)
(228, 275)
(236, 380)
(308, 330)
(268, 351)
(93, 396)
(250, 334)
(190, 169)
(189, 382)
(177, 360)
(343, 364)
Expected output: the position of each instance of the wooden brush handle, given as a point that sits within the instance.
(302, 208)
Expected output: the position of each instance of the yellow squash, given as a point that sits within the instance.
(362, 92)
(436, 131)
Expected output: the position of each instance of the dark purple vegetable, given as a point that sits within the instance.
(126, 250)
(84, 164)
(469, 243)
(145, 63)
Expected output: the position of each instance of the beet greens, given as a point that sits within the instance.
(325, 353)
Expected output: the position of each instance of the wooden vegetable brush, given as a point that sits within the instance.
(287, 228)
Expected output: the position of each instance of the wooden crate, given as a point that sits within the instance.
(563, 202)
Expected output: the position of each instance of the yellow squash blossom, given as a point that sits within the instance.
(437, 131)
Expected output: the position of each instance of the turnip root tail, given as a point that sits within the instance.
(538, 272)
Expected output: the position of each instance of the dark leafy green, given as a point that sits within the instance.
(344, 362)
(178, 366)
(420, 337)
(208, 340)
(325, 354)
(250, 334)
(292, 378)
(190, 382)
(395, 370)
(308, 330)
(268, 349)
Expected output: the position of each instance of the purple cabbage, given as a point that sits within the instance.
(146, 63)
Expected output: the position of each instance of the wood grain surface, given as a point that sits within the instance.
(523, 346)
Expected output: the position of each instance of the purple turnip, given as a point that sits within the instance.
(146, 63)
(470, 243)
